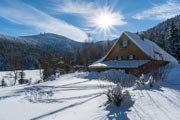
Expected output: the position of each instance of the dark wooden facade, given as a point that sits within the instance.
(130, 52)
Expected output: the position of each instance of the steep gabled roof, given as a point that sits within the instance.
(150, 48)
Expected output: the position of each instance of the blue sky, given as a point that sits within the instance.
(76, 19)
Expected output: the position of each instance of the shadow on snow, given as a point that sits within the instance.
(66, 107)
(119, 113)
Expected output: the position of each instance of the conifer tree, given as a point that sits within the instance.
(174, 40)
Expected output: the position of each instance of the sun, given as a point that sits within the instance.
(104, 20)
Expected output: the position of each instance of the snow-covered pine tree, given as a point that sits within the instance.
(174, 41)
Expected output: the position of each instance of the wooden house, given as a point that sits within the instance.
(134, 55)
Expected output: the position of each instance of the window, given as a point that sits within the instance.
(119, 57)
(124, 43)
(131, 57)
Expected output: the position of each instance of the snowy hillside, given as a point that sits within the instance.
(57, 43)
(77, 96)
(63, 45)
(164, 33)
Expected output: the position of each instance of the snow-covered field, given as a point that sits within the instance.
(34, 75)
(75, 97)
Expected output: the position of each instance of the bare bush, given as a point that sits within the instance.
(115, 84)
(115, 93)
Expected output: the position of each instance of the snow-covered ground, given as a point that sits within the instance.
(8, 76)
(76, 97)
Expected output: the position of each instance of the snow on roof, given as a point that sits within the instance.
(150, 48)
(119, 64)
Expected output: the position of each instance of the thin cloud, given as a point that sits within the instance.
(75, 7)
(89, 30)
(87, 10)
(24, 14)
(160, 11)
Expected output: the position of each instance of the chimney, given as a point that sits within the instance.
(142, 37)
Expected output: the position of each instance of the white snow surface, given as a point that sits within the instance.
(75, 97)
(8, 76)
(119, 64)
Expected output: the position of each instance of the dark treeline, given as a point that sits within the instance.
(166, 35)
(91, 52)
(16, 54)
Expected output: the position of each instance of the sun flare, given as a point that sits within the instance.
(105, 20)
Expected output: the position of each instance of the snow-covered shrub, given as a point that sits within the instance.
(151, 81)
(141, 79)
(116, 76)
(117, 81)
(116, 94)
(38, 94)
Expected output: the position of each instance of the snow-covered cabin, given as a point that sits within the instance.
(133, 54)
